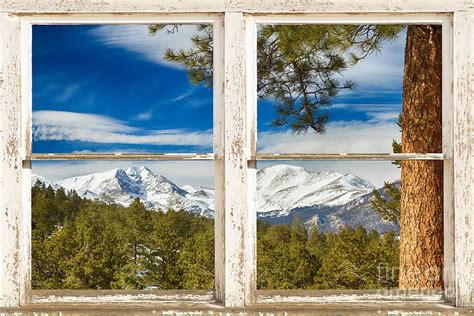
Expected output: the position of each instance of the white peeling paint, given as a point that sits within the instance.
(129, 298)
(234, 130)
(352, 298)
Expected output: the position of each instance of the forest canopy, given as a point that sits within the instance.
(83, 244)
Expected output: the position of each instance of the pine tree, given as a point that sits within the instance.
(196, 259)
(357, 259)
(136, 226)
(421, 200)
(387, 206)
(284, 261)
(171, 230)
(297, 66)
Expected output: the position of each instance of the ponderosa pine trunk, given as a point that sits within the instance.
(421, 204)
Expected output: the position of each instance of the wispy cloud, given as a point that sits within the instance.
(196, 103)
(56, 92)
(368, 107)
(191, 99)
(68, 92)
(383, 69)
(384, 116)
(93, 128)
(136, 38)
(342, 137)
(183, 96)
(145, 116)
(377, 113)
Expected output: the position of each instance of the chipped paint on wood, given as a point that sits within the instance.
(448, 167)
(120, 156)
(268, 6)
(348, 296)
(234, 124)
(464, 157)
(121, 296)
(239, 232)
(235, 163)
(25, 150)
(250, 80)
(348, 156)
(219, 141)
(10, 164)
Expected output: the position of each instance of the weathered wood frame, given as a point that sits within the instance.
(235, 122)
(447, 143)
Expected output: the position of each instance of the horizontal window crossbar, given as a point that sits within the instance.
(124, 156)
(350, 156)
(210, 156)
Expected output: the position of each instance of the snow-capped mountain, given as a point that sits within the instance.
(329, 199)
(356, 212)
(35, 178)
(122, 186)
(283, 188)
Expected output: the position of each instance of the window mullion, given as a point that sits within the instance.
(240, 227)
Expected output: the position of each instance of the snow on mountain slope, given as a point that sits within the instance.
(330, 199)
(122, 186)
(282, 188)
(357, 212)
(35, 178)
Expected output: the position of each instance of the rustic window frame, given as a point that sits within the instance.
(421, 19)
(28, 156)
(235, 154)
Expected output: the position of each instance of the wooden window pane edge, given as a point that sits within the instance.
(350, 156)
(122, 156)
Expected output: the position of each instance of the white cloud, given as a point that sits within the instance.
(85, 127)
(183, 95)
(196, 103)
(56, 92)
(136, 38)
(374, 136)
(68, 92)
(145, 116)
(377, 113)
(380, 70)
(340, 137)
(368, 107)
(384, 116)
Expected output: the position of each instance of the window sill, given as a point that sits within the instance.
(203, 302)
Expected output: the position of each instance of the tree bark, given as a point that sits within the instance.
(421, 204)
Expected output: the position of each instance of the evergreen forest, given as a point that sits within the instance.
(84, 244)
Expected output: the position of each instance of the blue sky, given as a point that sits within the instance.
(107, 88)
(92, 92)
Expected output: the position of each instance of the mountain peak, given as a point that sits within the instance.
(282, 168)
(123, 185)
(139, 173)
(356, 181)
(281, 190)
(138, 169)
